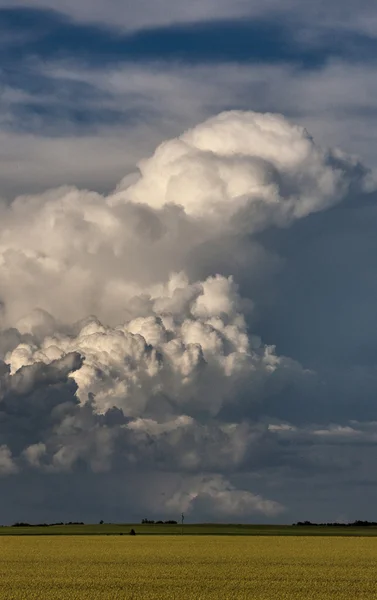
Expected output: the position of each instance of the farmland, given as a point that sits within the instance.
(188, 567)
(190, 529)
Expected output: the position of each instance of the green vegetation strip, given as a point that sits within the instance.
(195, 529)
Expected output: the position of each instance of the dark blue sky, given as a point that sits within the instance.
(31, 39)
(73, 73)
(48, 35)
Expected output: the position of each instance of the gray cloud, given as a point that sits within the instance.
(140, 14)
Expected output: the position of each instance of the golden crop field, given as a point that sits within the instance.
(187, 568)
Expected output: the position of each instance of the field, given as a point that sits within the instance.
(189, 529)
(187, 568)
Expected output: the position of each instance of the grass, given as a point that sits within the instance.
(188, 529)
(187, 568)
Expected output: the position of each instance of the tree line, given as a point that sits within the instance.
(22, 524)
(151, 522)
(357, 523)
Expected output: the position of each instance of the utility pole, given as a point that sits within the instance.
(182, 519)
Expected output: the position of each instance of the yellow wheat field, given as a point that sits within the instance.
(175, 567)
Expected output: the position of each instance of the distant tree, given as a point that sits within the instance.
(101, 522)
(132, 532)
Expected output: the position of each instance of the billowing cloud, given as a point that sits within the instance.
(259, 167)
(234, 174)
(131, 339)
(216, 497)
(7, 465)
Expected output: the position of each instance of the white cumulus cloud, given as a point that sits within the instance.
(122, 347)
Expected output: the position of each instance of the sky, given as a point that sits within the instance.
(188, 264)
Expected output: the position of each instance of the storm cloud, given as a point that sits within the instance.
(191, 333)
